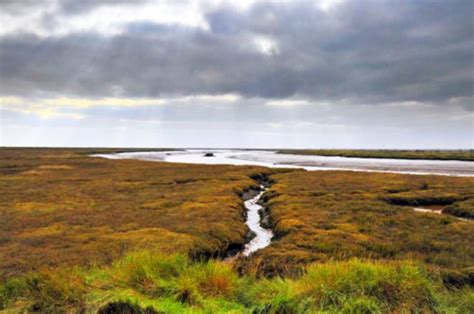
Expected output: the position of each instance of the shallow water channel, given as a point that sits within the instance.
(308, 162)
(438, 211)
(263, 237)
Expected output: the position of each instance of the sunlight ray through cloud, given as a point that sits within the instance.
(369, 66)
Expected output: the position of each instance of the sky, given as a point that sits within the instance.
(250, 74)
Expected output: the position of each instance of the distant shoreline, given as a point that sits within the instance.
(408, 154)
(272, 159)
(461, 155)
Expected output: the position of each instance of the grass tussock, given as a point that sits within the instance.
(46, 290)
(352, 286)
(146, 282)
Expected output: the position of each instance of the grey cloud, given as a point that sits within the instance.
(365, 52)
(18, 7)
(82, 6)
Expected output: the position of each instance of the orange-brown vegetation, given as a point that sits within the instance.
(83, 234)
(62, 207)
(322, 216)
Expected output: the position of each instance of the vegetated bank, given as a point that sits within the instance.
(463, 209)
(92, 234)
(461, 154)
(327, 215)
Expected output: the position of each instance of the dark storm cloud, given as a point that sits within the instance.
(362, 51)
(81, 6)
(17, 7)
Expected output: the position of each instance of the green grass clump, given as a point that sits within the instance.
(12, 289)
(149, 273)
(47, 291)
(56, 290)
(174, 280)
(353, 286)
(145, 282)
(360, 285)
(206, 280)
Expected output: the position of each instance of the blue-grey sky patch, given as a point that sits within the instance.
(385, 73)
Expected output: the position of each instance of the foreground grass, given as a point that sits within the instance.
(174, 284)
(467, 154)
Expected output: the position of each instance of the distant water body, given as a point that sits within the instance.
(311, 163)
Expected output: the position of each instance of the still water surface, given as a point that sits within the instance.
(272, 159)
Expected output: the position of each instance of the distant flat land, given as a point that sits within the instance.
(272, 159)
(467, 155)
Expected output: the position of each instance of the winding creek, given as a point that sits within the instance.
(438, 212)
(263, 237)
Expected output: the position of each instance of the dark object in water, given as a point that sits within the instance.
(209, 155)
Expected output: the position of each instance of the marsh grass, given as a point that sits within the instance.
(464, 209)
(423, 196)
(61, 207)
(353, 286)
(88, 234)
(154, 282)
(334, 215)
